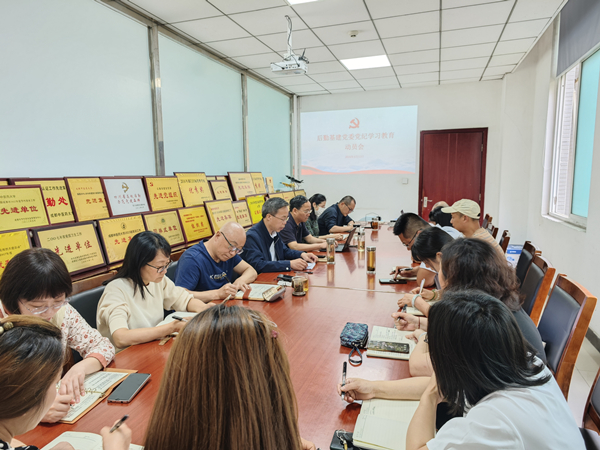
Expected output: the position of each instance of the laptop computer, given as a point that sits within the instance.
(346, 245)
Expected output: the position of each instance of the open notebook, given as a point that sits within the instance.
(83, 441)
(97, 386)
(392, 336)
(382, 424)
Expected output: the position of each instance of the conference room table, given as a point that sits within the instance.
(309, 327)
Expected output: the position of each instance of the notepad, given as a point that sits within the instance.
(391, 336)
(97, 386)
(83, 441)
(382, 424)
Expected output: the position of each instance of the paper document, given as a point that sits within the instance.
(83, 441)
(183, 315)
(257, 290)
(311, 266)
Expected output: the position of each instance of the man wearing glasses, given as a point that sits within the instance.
(336, 218)
(407, 227)
(265, 251)
(295, 231)
(207, 269)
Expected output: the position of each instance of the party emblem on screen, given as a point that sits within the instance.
(354, 123)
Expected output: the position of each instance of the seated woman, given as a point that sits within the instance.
(509, 406)
(134, 301)
(465, 264)
(318, 203)
(226, 386)
(31, 360)
(471, 264)
(36, 282)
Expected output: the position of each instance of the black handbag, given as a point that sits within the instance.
(355, 336)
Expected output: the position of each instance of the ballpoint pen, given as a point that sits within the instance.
(119, 423)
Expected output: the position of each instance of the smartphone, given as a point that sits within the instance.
(392, 281)
(129, 388)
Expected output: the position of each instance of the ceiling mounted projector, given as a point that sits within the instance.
(292, 64)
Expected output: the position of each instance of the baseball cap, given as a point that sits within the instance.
(466, 207)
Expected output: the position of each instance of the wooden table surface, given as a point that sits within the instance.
(310, 327)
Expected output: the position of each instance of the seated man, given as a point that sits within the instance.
(335, 219)
(295, 230)
(265, 251)
(407, 227)
(207, 268)
(465, 218)
(443, 220)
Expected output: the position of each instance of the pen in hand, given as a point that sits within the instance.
(344, 379)
(179, 318)
(119, 423)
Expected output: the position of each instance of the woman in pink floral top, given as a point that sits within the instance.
(36, 282)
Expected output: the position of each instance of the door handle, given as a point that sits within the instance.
(425, 201)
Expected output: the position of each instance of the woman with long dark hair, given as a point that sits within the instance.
(31, 361)
(36, 283)
(484, 366)
(226, 386)
(134, 301)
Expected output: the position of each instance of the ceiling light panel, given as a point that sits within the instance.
(368, 62)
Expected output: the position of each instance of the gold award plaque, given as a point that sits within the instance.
(22, 207)
(116, 234)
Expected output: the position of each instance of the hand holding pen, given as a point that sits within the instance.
(118, 437)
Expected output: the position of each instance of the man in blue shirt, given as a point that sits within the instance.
(206, 269)
(295, 231)
(265, 250)
(336, 219)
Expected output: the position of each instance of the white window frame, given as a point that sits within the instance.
(563, 165)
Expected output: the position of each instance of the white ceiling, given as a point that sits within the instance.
(428, 42)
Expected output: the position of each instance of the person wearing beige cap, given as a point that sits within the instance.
(465, 218)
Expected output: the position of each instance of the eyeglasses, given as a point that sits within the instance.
(43, 309)
(349, 209)
(283, 220)
(162, 268)
(410, 242)
(232, 249)
(306, 211)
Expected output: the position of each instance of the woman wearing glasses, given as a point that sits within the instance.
(230, 366)
(134, 301)
(36, 282)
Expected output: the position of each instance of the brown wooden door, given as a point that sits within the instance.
(452, 167)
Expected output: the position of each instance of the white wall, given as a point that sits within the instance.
(450, 106)
(524, 140)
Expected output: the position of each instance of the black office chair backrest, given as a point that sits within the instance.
(531, 285)
(523, 264)
(86, 304)
(172, 271)
(557, 323)
(590, 439)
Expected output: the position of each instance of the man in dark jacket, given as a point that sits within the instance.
(264, 249)
(336, 218)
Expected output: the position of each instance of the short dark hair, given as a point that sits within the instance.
(297, 202)
(439, 217)
(428, 243)
(474, 264)
(347, 200)
(477, 348)
(318, 199)
(408, 224)
(33, 274)
(142, 249)
(273, 205)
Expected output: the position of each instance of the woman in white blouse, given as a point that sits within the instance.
(134, 301)
(36, 282)
(485, 368)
